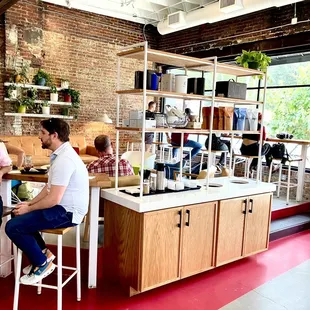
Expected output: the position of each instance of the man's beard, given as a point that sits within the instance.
(46, 145)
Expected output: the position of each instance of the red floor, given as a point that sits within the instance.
(208, 291)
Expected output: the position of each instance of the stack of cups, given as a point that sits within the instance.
(181, 83)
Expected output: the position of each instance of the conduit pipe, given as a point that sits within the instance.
(212, 13)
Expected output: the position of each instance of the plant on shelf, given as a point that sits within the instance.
(21, 76)
(64, 83)
(45, 105)
(32, 93)
(12, 92)
(22, 104)
(254, 60)
(42, 78)
(73, 96)
(54, 93)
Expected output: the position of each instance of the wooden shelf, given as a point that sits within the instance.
(183, 61)
(187, 130)
(168, 94)
(31, 86)
(38, 115)
(41, 101)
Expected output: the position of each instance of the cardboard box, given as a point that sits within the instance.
(168, 82)
(195, 125)
(138, 123)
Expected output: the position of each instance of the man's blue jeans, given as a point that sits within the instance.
(196, 147)
(23, 230)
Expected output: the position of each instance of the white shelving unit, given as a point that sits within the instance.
(41, 101)
(20, 85)
(38, 115)
(142, 52)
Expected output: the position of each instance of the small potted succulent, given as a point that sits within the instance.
(41, 78)
(12, 92)
(64, 83)
(254, 60)
(53, 93)
(46, 109)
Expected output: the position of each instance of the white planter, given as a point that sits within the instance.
(64, 84)
(14, 94)
(54, 97)
(46, 110)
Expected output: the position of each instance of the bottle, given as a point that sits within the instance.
(160, 185)
(153, 182)
(146, 187)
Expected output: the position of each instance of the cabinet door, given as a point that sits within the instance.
(161, 247)
(231, 221)
(198, 238)
(257, 224)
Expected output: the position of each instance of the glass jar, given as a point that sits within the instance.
(146, 187)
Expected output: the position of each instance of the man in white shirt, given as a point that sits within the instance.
(63, 202)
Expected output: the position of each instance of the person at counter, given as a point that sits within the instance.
(106, 161)
(149, 136)
(63, 202)
(250, 146)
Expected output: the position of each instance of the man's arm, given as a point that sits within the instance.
(4, 170)
(16, 151)
(52, 198)
(40, 196)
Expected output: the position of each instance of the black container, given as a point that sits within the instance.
(231, 89)
(191, 85)
(196, 86)
(139, 79)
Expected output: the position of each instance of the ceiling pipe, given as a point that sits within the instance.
(212, 13)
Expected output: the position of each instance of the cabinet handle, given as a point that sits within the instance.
(180, 214)
(188, 217)
(251, 206)
(245, 201)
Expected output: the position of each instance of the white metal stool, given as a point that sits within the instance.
(171, 147)
(77, 270)
(131, 144)
(6, 255)
(248, 159)
(213, 156)
(280, 183)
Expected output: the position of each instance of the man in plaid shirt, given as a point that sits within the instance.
(106, 161)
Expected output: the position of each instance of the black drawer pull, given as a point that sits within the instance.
(251, 206)
(188, 212)
(180, 214)
(245, 201)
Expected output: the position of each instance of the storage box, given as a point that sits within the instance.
(126, 122)
(231, 89)
(168, 82)
(138, 123)
(135, 114)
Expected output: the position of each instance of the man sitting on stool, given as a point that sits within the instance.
(63, 202)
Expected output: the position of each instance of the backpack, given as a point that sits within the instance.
(279, 151)
(24, 191)
(216, 144)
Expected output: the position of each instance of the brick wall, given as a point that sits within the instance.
(250, 31)
(76, 45)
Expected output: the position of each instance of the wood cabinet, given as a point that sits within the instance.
(161, 235)
(197, 251)
(243, 227)
(147, 250)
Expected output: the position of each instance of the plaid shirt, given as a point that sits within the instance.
(106, 164)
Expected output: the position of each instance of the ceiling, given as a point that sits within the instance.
(141, 11)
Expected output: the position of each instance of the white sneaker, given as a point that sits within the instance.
(38, 274)
(49, 255)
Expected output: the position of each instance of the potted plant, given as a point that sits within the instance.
(22, 104)
(45, 107)
(75, 101)
(42, 78)
(12, 92)
(32, 93)
(64, 83)
(54, 93)
(254, 60)
(67, 95)
(21, 76)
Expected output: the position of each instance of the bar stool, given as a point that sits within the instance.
(131, 143)
(188, 149)
(213, 156)
(280, 183)
(162, 149)
(77, 269)
(7, 257)
(248, 159)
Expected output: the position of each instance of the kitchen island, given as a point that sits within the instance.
(158, 239)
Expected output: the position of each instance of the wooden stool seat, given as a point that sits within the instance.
(57, 231)
(246, 156)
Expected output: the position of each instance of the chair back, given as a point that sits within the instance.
(134, 157)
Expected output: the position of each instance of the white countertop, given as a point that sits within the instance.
(170, 200)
